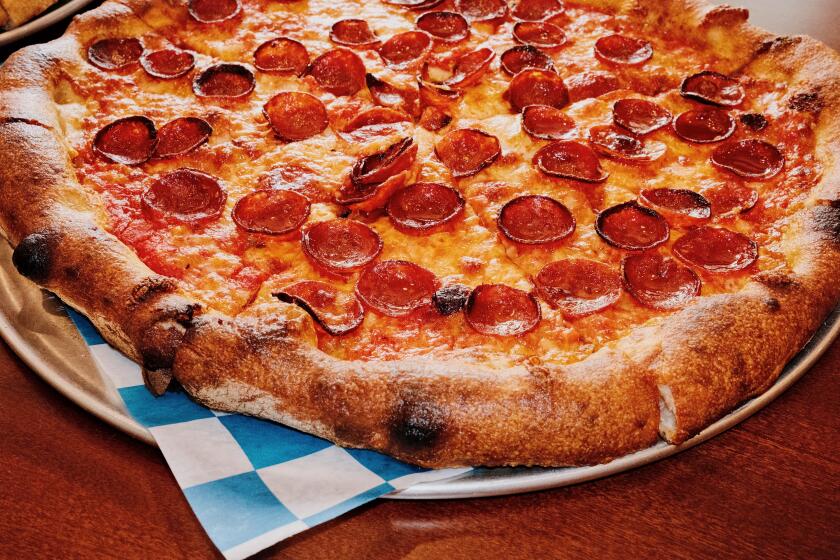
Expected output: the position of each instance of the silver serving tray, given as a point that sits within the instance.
(33, 323)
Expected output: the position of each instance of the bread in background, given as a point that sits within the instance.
(14, 13)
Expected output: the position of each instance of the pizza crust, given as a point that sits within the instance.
(672, 377)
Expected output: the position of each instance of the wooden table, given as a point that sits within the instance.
(72, 486)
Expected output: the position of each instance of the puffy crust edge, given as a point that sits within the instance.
(696, 365)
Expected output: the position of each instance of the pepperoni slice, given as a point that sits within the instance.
(481, 10)
(377, 117)
(713, 88)
(423, 206)
(437, 95)
(537, 87)
(213, 11)
(387, 95)
(516, 59)
(500, 310)
(678, 206)
(341, 246)
(578, 287)
(467, 151)
(270, 211)
(659, 282)
(115, 54)
(376, 168)
(353, 33)
(184, 195)
(403, 49)
(130, 141)
(535, 219)
(167, 63)
(294, 115)
(616, 144)
(631, 226)
(183, 135)
(620, 49)
(444, 26)
(335, 311)
(705, 125)
(282, 55)
(591, 84)
(414, 4)
(542, 35)
(339, 71)
(716, 249)
(640, 116)
(224, 80)
(753, 159)
(469, 68)
(434, 119)
(570, 160)
(396, 288)
(731, 198)
(547, 123)
(537, 10)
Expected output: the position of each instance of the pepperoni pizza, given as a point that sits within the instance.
(457, 231)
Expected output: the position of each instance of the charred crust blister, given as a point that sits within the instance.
(417, 424)
(151, 287)
(778, 43)
(451, 299)
(806, 102)
(33, 257)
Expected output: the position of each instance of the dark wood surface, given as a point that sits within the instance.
(72, 486)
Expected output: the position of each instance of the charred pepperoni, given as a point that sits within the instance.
(570, 160)
(578, 287)
(516, 59)
(632, 227)
(335, 311)
(423, 206)
(640, 116)
(537, 10)
(451, 299)
(294, 115)
(444, 26)
(115, 54)
(659, 282)
(591, 84)
(753, 159)
(183, 135)
(731, 198)
(481, 10)
(547, 123)
(616, 144)
(537, 87)
(403, 49)
(396, 288)
(339, 71)
(678, 206)
(341, 246)
(713, 88)
(542, 35)
(716, 249)
(467, 151)
(213, 11)
(353, 33)
(620, 49)
(224, 80)
(535, 219)
(754, 121)
(705, 125)
(167, 63)
(283, 56)
(186, 196)
(500, 310)
(130, 141)
(272, 212)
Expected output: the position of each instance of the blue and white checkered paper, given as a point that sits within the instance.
(250, 482)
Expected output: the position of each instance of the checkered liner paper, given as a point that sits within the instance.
(250, 482)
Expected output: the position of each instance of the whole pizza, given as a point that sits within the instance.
(462, 232)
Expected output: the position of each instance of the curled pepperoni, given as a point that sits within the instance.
(570, 160)
(434, 119)
(753, 159)
(115, 54)
(376, 168)
(537, 87)
(130, 141)
(335, 311)
(616, 144)
(578, 287)
(353, 33)
(716, 249)
(282, 55)
(405, 48)
(620, 49)
(466, 69)
(396, 288)
(414, 4)
(537, 10)
(295, 115)
(467, 151)
(444, 26)
(591, 84)
(224, 80)
(378, 118)
(481, 10)
(547, 123)
(437, 95)
(678, 206)
(713, 88)
(631, 226)
(423, 206)
(500, 310)
(184, 195)
(387, 95)
(535, 219)
(542, 34)
(731, 198)
(640, 116)
(705, 125)
(339, 71)
(271, 211)
(183, 135)
(341, 246)
(659, 282)
(516, 59)
(213, 11)
(167, 63)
